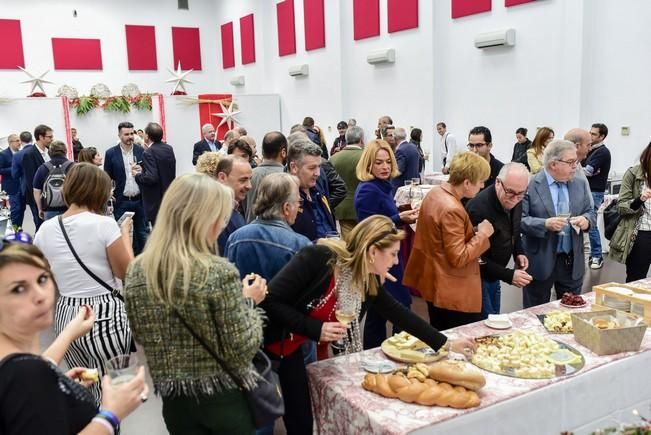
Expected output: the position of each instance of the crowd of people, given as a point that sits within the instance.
(263, 251)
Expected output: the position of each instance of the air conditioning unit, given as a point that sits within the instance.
(299, 70)
(237, 81)
(381, 56)
(497, 38)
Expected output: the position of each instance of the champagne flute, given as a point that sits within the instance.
(344, 313)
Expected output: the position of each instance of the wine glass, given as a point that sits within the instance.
(416, 198)
(344, 313)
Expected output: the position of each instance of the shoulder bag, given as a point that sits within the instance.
(265, 400)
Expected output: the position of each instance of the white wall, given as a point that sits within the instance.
(575, 62)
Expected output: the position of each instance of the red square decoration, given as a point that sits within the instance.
(74, 53)
(186, 48)
(247, 39)
(141, 48)
(11, 48)
(366, 18)
(463, 8)
(286, 31)
(403, 15)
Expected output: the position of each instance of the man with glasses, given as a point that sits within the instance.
(34, 157)
(501, 205)
(555, 211)
(480, 142)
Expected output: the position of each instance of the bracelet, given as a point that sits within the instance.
(104, 423)
(110, 417)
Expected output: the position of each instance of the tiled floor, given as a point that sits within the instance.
(148, 419)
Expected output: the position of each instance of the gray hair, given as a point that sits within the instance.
(399, 134)
(555, 150)
(512, 167)
(230, 135)
(274, 191)
(298, 128)
(295, 137)
(301, 148)
(352, 122)
(204, 127)
(354, 135)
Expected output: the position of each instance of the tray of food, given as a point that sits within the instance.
(571, 300)
(557, 322)
(404, 347)
(527, 355)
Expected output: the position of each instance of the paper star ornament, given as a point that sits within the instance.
(179, 79)
(227, 115)
(36, 81)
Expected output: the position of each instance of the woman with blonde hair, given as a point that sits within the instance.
(207, 163)
(89, 254)
(304, 295)
(374, 196)
(178, 285)
(443, 264)
(544, 135)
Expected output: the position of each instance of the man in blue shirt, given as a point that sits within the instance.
(315, 219)
(234, 172)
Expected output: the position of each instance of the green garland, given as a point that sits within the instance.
(84, 104)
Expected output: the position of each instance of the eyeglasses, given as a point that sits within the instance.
(476, 145)
(19, 237)
(572, 163)
(509, 192)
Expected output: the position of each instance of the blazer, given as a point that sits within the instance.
(345, 163)
(505, 241)
(202, 147)
(17, 167)
(114, 167)
(158, 172)
(539, 243)
(336, 188)
(32, 159)
(409, 163)
(306, 278)
(443, 263)
(10, 184)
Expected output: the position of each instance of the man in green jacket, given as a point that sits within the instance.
(345, 163)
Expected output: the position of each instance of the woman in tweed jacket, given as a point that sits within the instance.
(179, 268)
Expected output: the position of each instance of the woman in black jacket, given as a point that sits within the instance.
(301, 303)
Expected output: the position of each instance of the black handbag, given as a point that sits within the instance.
(114, 292)
(611, 219)
(266, 400)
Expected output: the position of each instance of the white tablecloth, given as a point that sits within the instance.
(435, 178)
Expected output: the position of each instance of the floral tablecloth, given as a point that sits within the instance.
(342, 406)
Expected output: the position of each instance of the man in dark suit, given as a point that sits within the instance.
(10, 184)
(557, 202)
(408, 157)
(501, 205)
(208, 143)
(17, 167)
(157, 172)
(117, 163)
(33, 158)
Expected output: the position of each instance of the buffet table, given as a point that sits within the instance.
(606, 385)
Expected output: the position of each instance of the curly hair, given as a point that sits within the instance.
(207, 163)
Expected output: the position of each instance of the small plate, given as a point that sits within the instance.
(498, 325)
(378, 366)
(574, 306)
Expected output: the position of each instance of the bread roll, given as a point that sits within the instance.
(428, 393)
(457, 373)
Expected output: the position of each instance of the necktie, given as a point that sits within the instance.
(563, 208)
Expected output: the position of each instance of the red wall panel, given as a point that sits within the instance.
(11, 48)
(228, 47)
(462, 8)
(186, 46)
(314, 21)
(366, 18)
(247, 39)
(286, 31)
(403, 14)
(509, 3)
(141, 48)
(73, 53)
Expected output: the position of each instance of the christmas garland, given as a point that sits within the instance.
(84, 104)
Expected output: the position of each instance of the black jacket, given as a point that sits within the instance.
(336, 185)
(306, 278)
(158, 172)
(31, 162)
(202, 147)
(520, 152)
(505, 241)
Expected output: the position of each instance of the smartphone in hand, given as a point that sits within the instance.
(127, 214)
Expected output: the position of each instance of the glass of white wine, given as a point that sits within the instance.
(344, 313)
(122, 368)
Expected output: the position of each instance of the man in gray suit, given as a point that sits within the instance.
(556, 197)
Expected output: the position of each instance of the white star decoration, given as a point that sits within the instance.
(37, 82)
(227, 116)
(179, 78)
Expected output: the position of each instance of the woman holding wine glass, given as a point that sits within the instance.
(336, 275)
(374, 195)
